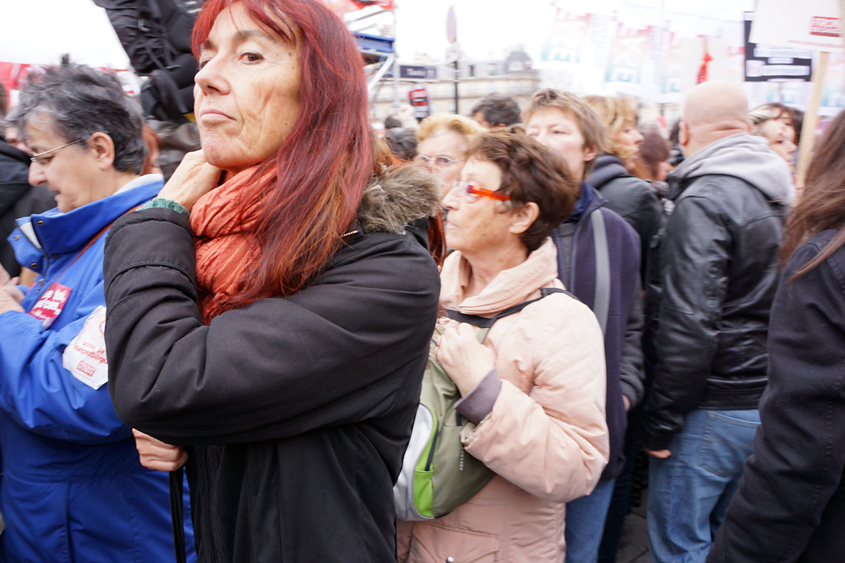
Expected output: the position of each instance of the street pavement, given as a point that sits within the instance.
(633, 546)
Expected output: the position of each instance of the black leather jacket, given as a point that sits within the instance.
(708, 308)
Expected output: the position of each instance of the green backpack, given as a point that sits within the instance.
(437, 474)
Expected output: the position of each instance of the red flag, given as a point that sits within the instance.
(702, 72)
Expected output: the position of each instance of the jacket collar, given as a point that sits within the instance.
(14, 152)
(60, 233)
(510, 287)
(607, 168)
(741, 156)
(589, 199)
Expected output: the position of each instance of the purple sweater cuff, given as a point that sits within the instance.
(479, 402)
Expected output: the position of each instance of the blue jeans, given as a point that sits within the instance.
(585, 524)
(689, 492)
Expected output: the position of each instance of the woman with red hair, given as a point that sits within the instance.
(270, 311)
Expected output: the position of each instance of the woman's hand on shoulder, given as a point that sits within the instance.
(465, 359)
(10, 295)
(157, 455)
(194, 178)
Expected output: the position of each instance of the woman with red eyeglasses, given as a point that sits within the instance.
(534, 390)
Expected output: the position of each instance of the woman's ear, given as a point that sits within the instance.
(590, 154)
(524, 217)
(103, 148)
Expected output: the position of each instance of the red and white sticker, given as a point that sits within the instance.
(85, 356)
(50, 304)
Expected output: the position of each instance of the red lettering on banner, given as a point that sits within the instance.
(86, 369)
(50, 304)
(825, 27)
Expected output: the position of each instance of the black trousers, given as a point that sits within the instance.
(828, 541)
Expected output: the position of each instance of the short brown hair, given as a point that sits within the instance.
(588, 122)
(653, 150)
(616, 113)
(441, 122)
(530, 173)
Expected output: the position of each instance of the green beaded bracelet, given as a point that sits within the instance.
(166, 204)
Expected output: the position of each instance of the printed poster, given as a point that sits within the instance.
(628, 55)
(566, 39)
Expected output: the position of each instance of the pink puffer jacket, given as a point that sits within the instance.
(546, 437)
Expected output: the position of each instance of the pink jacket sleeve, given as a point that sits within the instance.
(553, 441)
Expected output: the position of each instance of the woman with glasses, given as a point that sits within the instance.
(534, 390)
(443, 141)
(73, 488)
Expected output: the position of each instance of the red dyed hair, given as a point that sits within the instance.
(323, 166)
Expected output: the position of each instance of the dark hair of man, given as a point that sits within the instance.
(498, 110)
(82, 101)
(530, 173)
(402, 143)
(392, 122)
(822, 206)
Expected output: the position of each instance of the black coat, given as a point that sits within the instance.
(707, 317)
(792, 487)
(633, 199)
(297, 410)
(17, 199)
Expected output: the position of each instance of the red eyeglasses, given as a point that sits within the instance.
(472, 193)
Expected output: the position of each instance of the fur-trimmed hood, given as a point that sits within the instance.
(399, 197)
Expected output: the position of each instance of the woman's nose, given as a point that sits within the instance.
(543, 138)
(211, 77)
(449, 198)
(36, 174)
(638, 137)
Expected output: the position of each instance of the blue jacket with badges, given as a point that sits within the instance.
(72, 489)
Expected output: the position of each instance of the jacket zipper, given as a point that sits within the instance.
(431, 450)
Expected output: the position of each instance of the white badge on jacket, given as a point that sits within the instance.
(85, 356)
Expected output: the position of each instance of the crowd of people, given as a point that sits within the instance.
(226, 365)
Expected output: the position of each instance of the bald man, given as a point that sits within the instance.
(708, 320)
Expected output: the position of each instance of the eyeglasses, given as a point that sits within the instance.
(37, 158)
(437, 161)
(472, 193)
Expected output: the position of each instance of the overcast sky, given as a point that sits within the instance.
(39, 31)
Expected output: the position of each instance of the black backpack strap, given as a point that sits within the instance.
(176, 515)
(484, 322)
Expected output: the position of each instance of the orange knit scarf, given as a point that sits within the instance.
(223, 238)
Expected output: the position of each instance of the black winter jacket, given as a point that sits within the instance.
(707, 321)
(631, 198)
(297, 410)
(17, 199)
(784, 509)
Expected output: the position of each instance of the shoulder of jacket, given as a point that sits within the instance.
(716, 186)
(807, 251)
(555, 313)
(616, 223)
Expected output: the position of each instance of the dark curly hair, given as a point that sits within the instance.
(498, 110)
